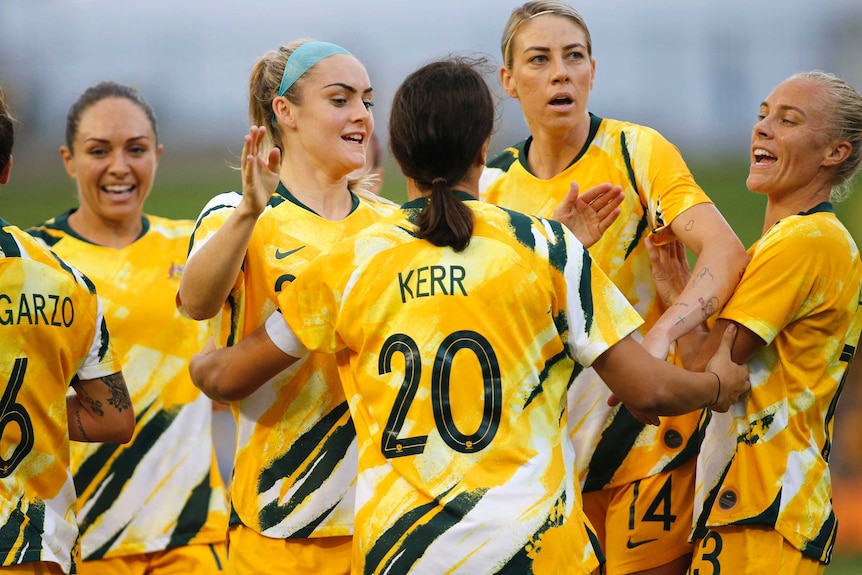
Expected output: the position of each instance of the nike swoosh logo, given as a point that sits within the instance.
(632, 544)
(280, 255)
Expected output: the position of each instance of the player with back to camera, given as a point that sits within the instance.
(638, 479)
(158, 504)
(54, 336)
(764, 491)
(446, 303)
(295, 459)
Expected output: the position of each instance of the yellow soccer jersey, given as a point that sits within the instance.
(456, 366)
(613, 448)
(295, 461)
(163, 488)
(765, 462)
(52, 330)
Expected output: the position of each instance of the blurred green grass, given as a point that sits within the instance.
(845, 565)
(40, 189)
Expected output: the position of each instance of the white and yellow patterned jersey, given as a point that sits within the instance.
(614, 448)
(295, 460)
(456, 366)
(765, 462)
(163, 488)
(53, 332)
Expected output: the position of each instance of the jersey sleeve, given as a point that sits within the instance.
(310, 306)
(597, 314)
(101, 359)
(663, 179)
(784, 271)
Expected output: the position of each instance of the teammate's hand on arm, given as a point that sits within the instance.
(654, 387)
(731, 378)
(100, 410)
(233, 373)
(588, 215)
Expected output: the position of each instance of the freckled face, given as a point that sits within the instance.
(788, 145)
(552, 73)
(114, 159)
(333, 121)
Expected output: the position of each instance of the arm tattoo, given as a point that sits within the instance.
(681, 319)
(81, 426)
(704, 273)
(119, 393)
(95, 406)
(708, 307)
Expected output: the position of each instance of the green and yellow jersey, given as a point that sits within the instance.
(765, 462)
(162, 489)
(614, 448)
(456, 366)
(53, 331)
(295, 460)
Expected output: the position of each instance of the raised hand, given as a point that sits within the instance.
(259, 174)
(588, 215)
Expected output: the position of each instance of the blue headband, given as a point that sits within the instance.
(303, 58)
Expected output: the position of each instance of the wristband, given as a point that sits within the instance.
(718, 391)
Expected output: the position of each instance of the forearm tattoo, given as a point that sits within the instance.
(119, 393)
(681, 319)
(81, 425)
(708, 307)
(704, 274)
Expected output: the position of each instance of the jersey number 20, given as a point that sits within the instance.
(394, 446)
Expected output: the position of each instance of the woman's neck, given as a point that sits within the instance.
(106, 232)
(329, 197)
(780, 206)
(551, 152)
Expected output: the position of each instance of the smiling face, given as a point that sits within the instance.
(332, 122)
(791, 150)
(114, 159)
(551, 74)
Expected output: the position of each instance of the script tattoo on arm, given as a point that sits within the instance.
(119, 393)
(81, 426)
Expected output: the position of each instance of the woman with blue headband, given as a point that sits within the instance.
(295, 458)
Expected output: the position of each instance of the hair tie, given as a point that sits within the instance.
(303, 58)
(436, 181)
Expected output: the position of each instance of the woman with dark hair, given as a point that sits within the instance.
(458, 326)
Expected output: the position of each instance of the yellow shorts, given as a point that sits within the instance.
(645, 524)
(750, 550)
(34, 568)
(251, 553)
(200, 558)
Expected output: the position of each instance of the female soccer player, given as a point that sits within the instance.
(455, 324)
(295, 460)
(54, 335)
(764, 493)
(638, 480)
(156, 505)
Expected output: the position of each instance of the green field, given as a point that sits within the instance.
(40, 189)
(848, 565)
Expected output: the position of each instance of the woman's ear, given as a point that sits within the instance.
(838, 153)
(284, 111)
